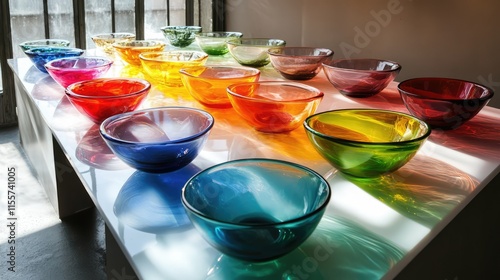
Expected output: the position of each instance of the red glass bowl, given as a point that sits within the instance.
(362, 77)
(299, 63)
(444, 103)
(274, 106)
(66, 71)
(101, 98)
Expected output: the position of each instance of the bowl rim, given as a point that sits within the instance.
(489, 91)
(107, 62)
(125, 44)
(239, 42)
(147, 86)
(263, 225)
(343, 140)
(318, 92)
(30, 43)
(232, 34)
(328, 64)
(106, 136)
(273, 52)
(181, 27)
(254, 71)
(105, 36)
(203, 55)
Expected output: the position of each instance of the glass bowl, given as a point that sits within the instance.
(66, 71)
(208, 84)
(101, 98)
(157, 140)
(253, 51)
(274, 106)
(105, 41)
(256, 209)
(366, 142)
(362, 77)
(299, 63)
(215, 43)
(164, 67)
(180, 36)
(33, 44)
(43, 55)
(444, 103)
(129, 51)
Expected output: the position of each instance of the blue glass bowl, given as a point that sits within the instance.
(40, 56)
(256, 209)
(157, 140)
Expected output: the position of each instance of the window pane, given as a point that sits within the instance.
(97, 19)
(61, 20)
(27, 23)
(155, 17)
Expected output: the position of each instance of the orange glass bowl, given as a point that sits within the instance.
(66, 71)
(274, 106)
(299, 63)
(101, 98)
(164, 67)
(105, 41)
(362, 77)
(129, 51)
(443, 102)
(208, 84)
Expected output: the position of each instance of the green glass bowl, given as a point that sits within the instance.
(180, 36)
(366, 142)
(215, 43)
(253, 51)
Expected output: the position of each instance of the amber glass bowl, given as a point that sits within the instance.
(366, 142)
(129, 51)
(208, 84)
(105, 41)
(274, 106)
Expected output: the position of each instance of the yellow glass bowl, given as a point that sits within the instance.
(164, 67)
(129, 51)
(366, 142)
(208, 84)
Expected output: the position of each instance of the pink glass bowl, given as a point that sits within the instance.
(274, 106)
(444, 102)
(299, 63)
(361, 77)
(101, 98)
(66, 71)
(208, 84)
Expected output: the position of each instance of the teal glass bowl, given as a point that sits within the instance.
(33, 44)
(366, 142)
(256, 209)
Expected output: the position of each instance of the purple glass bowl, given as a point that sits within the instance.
(361, 77)
(299, 63)
(42, 55)
(444, 102)
(158, 140)
(66, 71)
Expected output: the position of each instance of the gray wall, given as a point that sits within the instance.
(447, 38)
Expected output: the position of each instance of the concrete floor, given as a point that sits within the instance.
(45, 246)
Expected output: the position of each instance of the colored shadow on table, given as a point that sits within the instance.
(152, 202)
(47, 89)
(67, 119)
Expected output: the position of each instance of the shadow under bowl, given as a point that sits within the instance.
(41, 56)
(444, 103)
(253, 51)
(299, 63)
(361, 77)
(366, 142)
(256, 209)
(69, 70)
(157, 140)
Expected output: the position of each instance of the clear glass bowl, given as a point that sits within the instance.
(105, 41)
(253, 51)
(299, 63)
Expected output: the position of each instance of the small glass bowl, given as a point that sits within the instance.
(129, 51)
(101, 98)
(157, 140)
(66, 71)
(180, 36)
(366, 142)
(253, 51)
(444, 103)
(256, 209)
(362, 77)
(215, 43)
(208, 84)
(274, 106)
(105, 41)
(164, 67)
(33, 44)
(299, 63)
(43, 55)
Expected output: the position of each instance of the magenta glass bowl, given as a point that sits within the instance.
(362, 77)
(444, 102)
(66, 71)
(299, 63)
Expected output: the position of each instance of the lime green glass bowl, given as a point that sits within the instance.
(366, 142)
